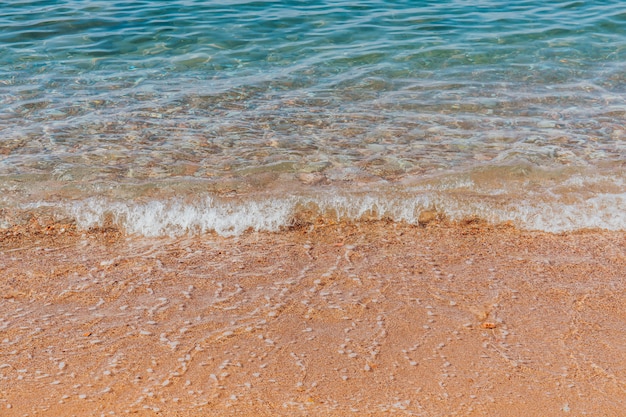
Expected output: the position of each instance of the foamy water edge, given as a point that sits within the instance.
(176, 217)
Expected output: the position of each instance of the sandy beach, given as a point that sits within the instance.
(330, 208)
(321, 320)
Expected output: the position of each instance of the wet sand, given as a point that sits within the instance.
(366, 319)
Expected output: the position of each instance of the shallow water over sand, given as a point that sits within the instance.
(505, 112)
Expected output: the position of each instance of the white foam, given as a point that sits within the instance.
(174, 217)
(228, 218)
(548, 211)
(603, 211)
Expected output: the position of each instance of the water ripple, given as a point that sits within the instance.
(114, 93)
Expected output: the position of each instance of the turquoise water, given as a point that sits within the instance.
(198, 116)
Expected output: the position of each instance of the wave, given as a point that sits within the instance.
(230, 217)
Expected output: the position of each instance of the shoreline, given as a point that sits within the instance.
(368, 318)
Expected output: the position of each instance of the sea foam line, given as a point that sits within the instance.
(230, 218)
(227, 218)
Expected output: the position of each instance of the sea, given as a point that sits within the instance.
(184, 117)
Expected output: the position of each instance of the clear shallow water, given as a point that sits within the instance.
(182, 115)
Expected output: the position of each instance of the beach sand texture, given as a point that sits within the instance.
(321, 320)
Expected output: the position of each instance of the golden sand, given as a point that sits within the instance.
(366, 319)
